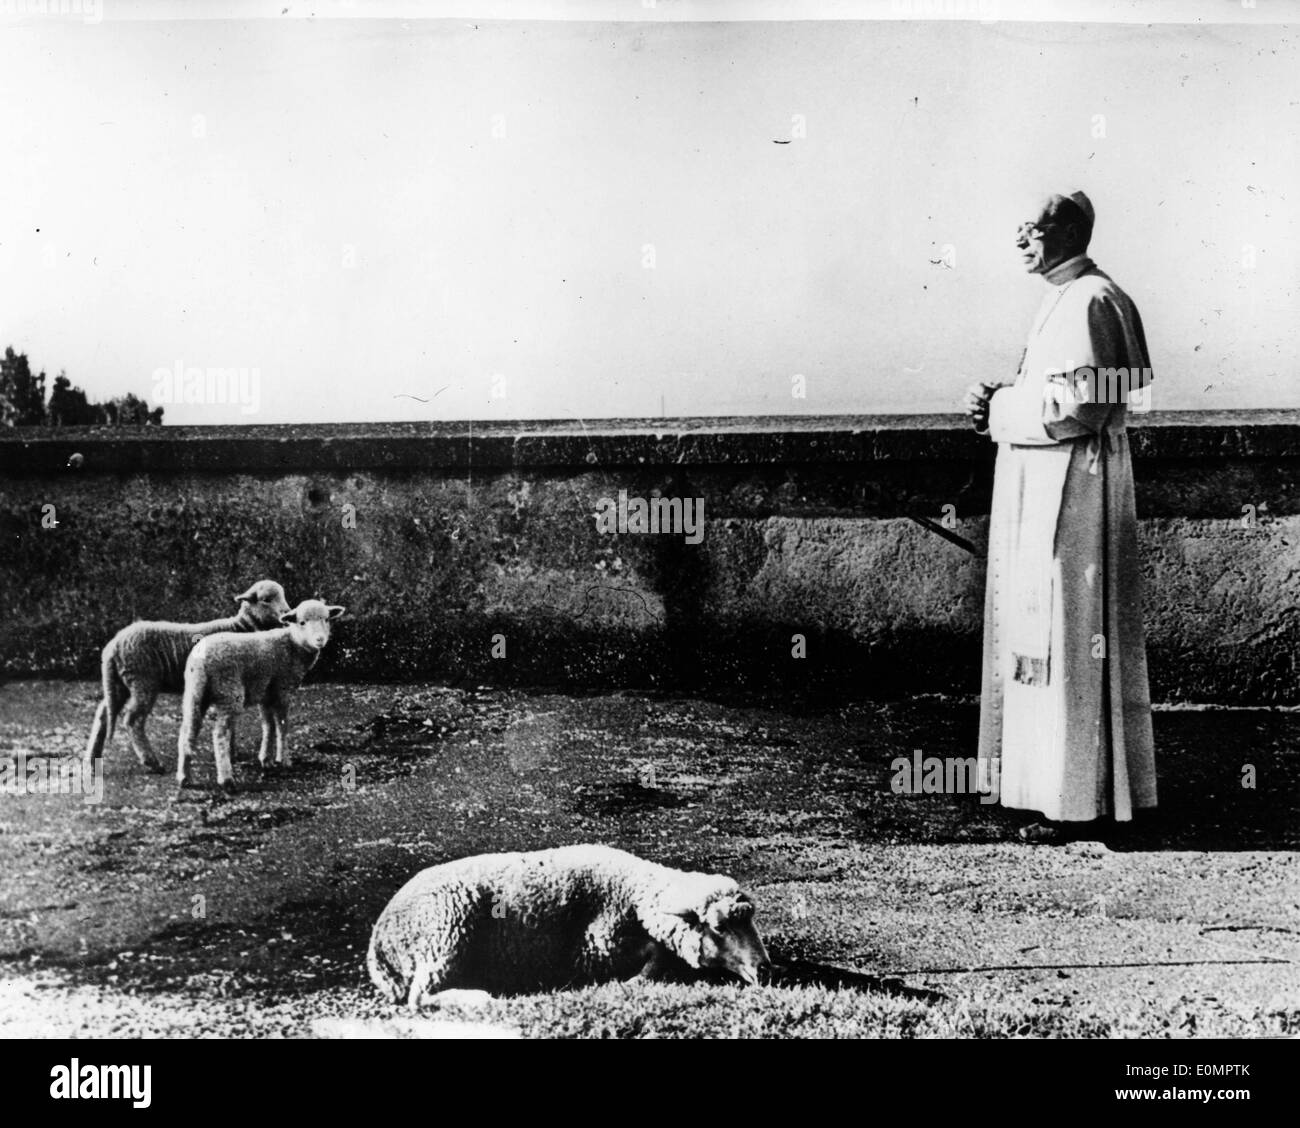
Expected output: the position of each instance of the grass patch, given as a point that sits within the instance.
(637, 1010)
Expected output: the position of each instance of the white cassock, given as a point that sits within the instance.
(1065, 715)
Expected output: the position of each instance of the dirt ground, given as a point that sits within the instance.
(887, 914)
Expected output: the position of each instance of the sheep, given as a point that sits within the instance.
(229, 671)
(512, 923)
(148, 658)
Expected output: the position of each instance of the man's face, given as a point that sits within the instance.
(1042, 244)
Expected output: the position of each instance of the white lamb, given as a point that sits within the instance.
(228, 671)
(509, 923)
(148, 658)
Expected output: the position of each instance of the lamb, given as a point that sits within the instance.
(148, 658)
(512, 923)
(229, 671)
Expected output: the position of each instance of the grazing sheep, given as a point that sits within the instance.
(229, 671)
(548, 919)
(148, 658)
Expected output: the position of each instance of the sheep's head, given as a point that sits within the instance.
(718, 928)
(309, 624)
(264, 603)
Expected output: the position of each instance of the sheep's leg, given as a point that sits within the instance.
(282, 754)
(466, 998)
(269, 753)
(116, 695)
(135, 713)
(274, 751)
(416, 992)
(223, 744)
(425, 981)
(191, 723)
(98, 733)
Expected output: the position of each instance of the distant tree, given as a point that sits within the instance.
(130, 410)
(22, 395)
(69, 407)
(22, 401)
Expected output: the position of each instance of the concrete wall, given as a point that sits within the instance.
(439, 537)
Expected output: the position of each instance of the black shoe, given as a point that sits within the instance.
(1043, 834)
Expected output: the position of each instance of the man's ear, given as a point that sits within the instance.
(335, 612)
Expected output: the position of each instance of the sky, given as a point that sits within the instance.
(643, 214)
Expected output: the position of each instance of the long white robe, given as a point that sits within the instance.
(1065, 717)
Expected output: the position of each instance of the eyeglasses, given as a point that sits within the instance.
(1030, 231)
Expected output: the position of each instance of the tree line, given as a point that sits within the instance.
(23, 402)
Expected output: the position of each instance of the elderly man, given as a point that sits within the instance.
(1065, 718)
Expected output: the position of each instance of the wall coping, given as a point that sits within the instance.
(496, 445)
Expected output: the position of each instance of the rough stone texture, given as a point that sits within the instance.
(463, 533)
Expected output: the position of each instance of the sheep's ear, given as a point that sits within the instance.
(725, 910)
(289, 617)
(335, 612)
(250, 596)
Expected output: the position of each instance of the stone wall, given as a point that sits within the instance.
(472, 552)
